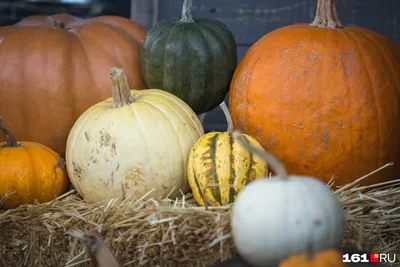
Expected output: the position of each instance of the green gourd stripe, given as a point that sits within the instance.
(196, 181)
(251, 159)
(213, 169)
(232, 190)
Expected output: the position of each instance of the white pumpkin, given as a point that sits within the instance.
(131, 143)
(274, 218)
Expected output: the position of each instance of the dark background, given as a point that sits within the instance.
(249, 20)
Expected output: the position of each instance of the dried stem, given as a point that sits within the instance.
(100, 254)
(327, 15)
(227, 116)
(10, 139)
(187, 11)
(276, 165)
(120, 88)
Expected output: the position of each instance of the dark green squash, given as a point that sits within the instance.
(193, 59)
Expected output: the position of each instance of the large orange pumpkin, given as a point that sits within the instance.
(29, 171)
(324, 98)
(54, 68)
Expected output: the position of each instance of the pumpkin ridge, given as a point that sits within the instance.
(196, 181)
(84, 122)
(87, 58)
(232, 178)
(393, 80)
(179, 102)
(33, 33)
(207, 90)
(373, 94)
(216, 83)
(251, 160)
(173, 112)
(216, 192)
(158, 32)
(372, 40)
(204, 23)
(170, 35)
(174, 130)
(142, 134)
(34, 165)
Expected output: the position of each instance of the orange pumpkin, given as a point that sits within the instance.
(326, 258)
(323, 98)
(54, 68)
(29, 171)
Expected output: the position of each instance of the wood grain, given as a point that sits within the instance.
(249, 20)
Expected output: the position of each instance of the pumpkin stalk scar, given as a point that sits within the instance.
(120, 88)
(59, 164)
(60, 25)
(187, 11)
(326, 15)
(10, 139)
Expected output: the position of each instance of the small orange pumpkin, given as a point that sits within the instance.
(325, 258)
(29, 171)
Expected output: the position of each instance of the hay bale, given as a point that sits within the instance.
(168, 232)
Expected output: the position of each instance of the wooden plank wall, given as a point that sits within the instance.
(249, 20)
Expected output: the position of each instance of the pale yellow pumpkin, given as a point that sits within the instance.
(129, 144)
(219, 167)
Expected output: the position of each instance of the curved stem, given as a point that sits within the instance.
(227, 116)
(187, 11)
(120, 88)
(276, 165)
(10, 139)
(59, 24)
(326, 15)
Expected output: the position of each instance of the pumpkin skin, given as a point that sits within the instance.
(217, 158)
(325, 101)
(326, 258)
(31, 171)
(54, 68)
(192, 59)
(119, 148)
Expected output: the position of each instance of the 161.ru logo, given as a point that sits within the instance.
(373, 257)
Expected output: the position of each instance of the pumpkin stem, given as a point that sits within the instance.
(310, 252)
(276, 165)
(59, 25)
(187, 11)
(227, 116)
(120, 88)
(327, 15)
(10, 139)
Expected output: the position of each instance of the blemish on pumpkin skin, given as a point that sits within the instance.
(134, 175)
(87, 136)
(113, 150)
(104, 139)
(78, 171)
(325, 137)
(340, 124)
